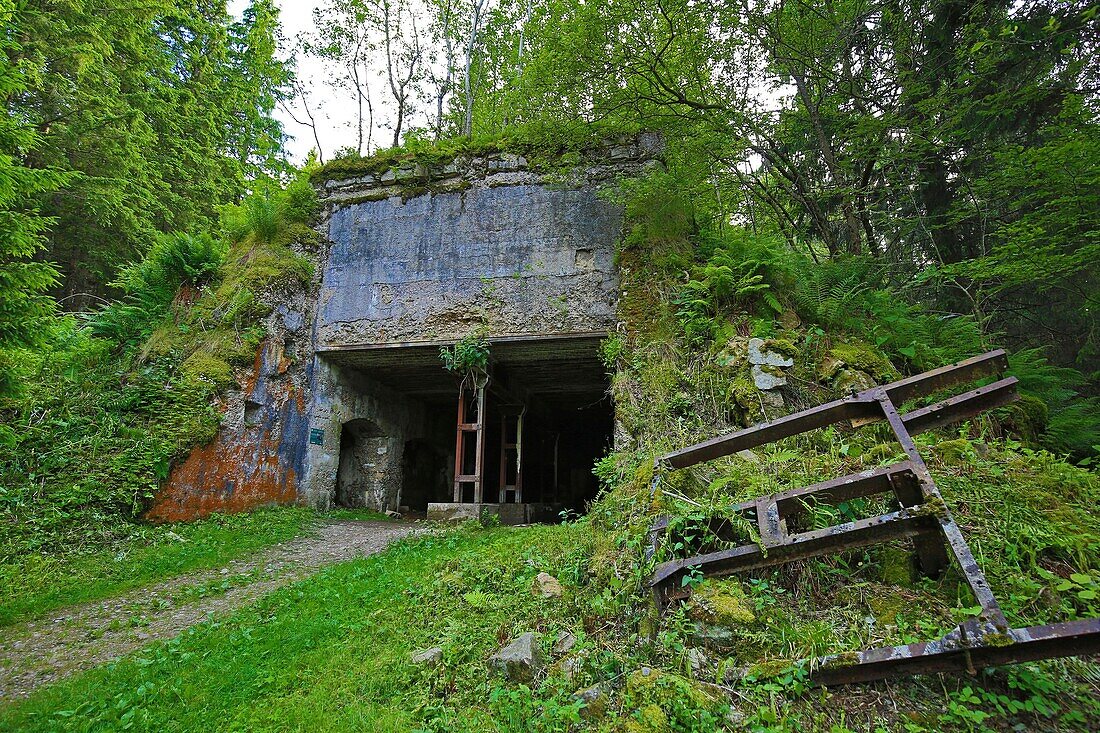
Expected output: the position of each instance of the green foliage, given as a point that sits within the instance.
(24, 306)
(164, 109)
(151, 284)
(113, 404)
(470, 354)
(739, 269)
(93, 444)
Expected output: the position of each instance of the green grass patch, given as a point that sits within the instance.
(34, 584)
(332, 652)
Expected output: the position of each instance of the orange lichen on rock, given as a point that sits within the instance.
(234, 473)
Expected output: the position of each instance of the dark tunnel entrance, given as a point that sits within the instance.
(545, 419)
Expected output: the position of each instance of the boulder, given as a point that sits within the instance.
(595, 702)
(519, 661)
(767, 377)
(547, 586)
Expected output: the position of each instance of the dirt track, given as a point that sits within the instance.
(71, 640)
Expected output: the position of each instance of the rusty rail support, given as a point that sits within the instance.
(923, 516)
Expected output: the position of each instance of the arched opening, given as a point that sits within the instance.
(361, 476)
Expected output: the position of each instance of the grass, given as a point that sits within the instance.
(332, 652)
(34, 584)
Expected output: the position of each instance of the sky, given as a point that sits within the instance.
(332, 110)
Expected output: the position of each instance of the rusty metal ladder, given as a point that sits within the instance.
(923, 516)
(470, 433)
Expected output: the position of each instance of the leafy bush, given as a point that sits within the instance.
(739, 269)
(469, 354)
(151, 284)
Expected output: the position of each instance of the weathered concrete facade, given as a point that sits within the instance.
(350, 381)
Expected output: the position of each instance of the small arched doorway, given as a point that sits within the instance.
(364, 459)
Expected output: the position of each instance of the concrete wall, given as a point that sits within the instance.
(341, 396)
(527, 259)
(413, 254)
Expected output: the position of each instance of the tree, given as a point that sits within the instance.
(163, 107)
(24, 305)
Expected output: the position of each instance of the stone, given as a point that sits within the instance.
(570, 667)
(761, 357)
(767, 378)
(850, 381)
(564, 642)
(595, 702)
(748, 455)
(698, 661)
(432, 657)
(519, 661)
(772, 398)
(547, 586)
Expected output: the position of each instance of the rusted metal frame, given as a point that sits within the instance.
(980, 642)
(793, 502)
(844, 488)
(975, 578)
(962, 372)
(962, 650)
(849, 408)
(857, 407)
(850, 535)
(464, 429)
(962, 406)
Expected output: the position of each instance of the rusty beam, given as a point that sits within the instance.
(860, 533)
(958, 653)
(849, 408)
(862, 408)
(844, 488)
(961, 407)
(968, 370)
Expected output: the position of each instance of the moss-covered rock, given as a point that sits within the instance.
(1026, 418)
(848, 381)
(860, 356)
(720, 602)
(954, 452)
(784, 346)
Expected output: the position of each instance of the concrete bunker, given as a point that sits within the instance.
(543, 414)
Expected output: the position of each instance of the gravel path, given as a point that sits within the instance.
(74, 639)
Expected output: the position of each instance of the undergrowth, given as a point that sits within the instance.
(545, 148)
(113, 399)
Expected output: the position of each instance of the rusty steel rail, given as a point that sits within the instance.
(922, 515)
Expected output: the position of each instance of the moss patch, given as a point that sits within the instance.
(721, 602)
(863, 357)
